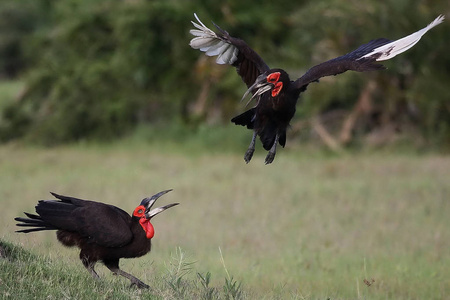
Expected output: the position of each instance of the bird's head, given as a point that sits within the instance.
(144, 212)
(272, 81)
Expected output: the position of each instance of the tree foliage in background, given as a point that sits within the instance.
(97, 69)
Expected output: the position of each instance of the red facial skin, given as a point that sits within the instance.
(273, 78)
(145, 223)
(277, 89)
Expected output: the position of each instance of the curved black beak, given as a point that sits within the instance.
(148, 203)
(258, 88)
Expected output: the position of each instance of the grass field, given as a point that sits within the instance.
(309, 226)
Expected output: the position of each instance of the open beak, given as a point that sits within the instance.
(148, 203)
(258, 88)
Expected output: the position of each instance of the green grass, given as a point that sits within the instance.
(309, 226)
(29, 276)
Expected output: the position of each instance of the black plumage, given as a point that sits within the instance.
(275, 93)
(103, 232)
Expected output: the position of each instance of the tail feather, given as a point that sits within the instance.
(51, 214)
(245, 119)
(34, 229)
(33, 221)
(268, 134)
(31, 216)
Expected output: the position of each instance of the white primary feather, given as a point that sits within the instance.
(228, 55)
(394, 48)
(215, 49)
(207, 41)
(201, 42)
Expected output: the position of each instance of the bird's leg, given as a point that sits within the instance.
(271, 155)
(89, 265)
(113, 266)
(134, 280)
(251, 149)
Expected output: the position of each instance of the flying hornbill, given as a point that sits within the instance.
(275, 93)
(103, 232)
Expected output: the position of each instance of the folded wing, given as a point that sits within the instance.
(100, 223)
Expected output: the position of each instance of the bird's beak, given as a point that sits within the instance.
(158, 210)
(258, 88)
(148, 203)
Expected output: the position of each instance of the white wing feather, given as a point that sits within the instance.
(209, 42)
(394, 48)
(229, 54)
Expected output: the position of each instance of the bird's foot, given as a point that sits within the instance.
(249, 154)
(270, 157)
(139, 284)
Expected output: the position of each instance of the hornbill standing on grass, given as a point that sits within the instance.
(103, 232)
(275, 93)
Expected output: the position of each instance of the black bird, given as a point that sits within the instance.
(275, 93)
(103, 232)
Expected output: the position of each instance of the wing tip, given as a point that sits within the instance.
(57, 196)
(437, 21)
(196, 17)
(392, 49)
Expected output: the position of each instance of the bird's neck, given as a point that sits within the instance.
(147, 227)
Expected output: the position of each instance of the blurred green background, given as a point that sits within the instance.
(98, 70)
(105, 100)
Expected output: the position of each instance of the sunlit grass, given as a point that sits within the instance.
(308, 226)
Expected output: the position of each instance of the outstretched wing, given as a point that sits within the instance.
(365, 57)
(229, 50)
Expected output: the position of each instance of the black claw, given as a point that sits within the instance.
(140, 285)
(248, 155)
(270, 157)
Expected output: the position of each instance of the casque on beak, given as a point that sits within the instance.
(148, 203)
(258, 88)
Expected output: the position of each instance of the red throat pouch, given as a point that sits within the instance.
(148, 227)
(277, 89)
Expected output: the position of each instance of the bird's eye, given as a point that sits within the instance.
(139, 211)
(273, 77)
